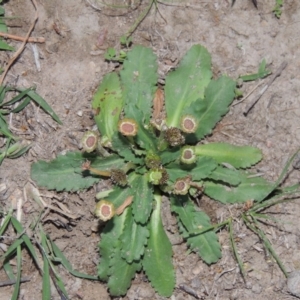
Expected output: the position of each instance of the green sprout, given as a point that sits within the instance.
(146, 162)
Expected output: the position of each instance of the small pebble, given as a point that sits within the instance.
(80, 113)
(256, 288)
(196, 270)
(293, 283)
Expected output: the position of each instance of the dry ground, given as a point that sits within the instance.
(72, 65)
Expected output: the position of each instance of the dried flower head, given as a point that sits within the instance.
(174, 137)
(188, 124)
(188, 155)
(118, 176)
(89, 141)
(181, 186)
(128, 127)
(104, 210)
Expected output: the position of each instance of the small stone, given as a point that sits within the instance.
(293, 283)
(196, 282)
(80, 113)
(196, 270)
(256, 288)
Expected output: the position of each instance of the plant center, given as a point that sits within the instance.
(188, 154)
(90, 141)
(188, 124)
(105, 210)
(180, 185)
(128, 128)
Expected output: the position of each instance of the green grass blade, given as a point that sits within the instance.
(8, 270)
(19, 269)
(17, 98)
(44, 105)
(4, 128)
(21, 106)
(19, 151)
(20, 230)
(255, 228)
(3, 90)
(67, 264)
(234, 249)
(46, 288)
(11, 249)
(5, 222)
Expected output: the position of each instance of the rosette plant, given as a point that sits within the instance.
(148, 144)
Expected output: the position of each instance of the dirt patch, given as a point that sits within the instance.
(72, 65)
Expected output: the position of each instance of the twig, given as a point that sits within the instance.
(22, 39)
(242, 100)
(13, 281)
(189, 290)
(20, 50)
(274, 76)
(36, 56)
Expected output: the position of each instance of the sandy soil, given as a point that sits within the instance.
(72, 65)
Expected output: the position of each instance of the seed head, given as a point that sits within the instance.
(188, 155)
(174, 137)
(118, 176)
(104, 210)
(128, 127)
(89, 141)
(188, 124)
(181, 186)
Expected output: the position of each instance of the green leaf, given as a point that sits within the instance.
(124, 148)
(133, 239)
(187, 83)
(108, 242)
(5, 46)
(209, 110)
(157, 262)
(65, 173)
(250, 188)
(2, 10)
(230, 176)
(108, 103)
(145, 138)
(169, 155)
(176, 171)
(139, 79)
(201, 169)
(119, 194)
(121, 274)
(237, 156)
(142, 199)
(204, 167)
(190, 221)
